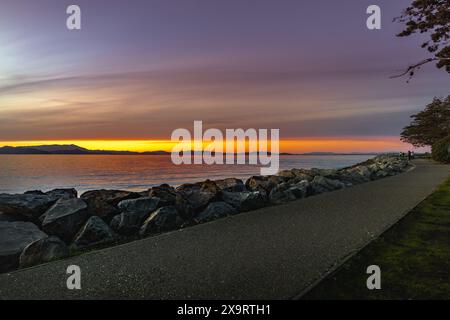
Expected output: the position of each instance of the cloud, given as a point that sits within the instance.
(150, 104)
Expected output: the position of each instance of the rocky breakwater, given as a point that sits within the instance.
(38, 227)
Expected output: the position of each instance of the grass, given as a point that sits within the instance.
(413, 255)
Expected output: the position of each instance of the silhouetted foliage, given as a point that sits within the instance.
(441, 150)
(429, 125)
(431, 17)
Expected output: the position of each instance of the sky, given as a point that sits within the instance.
(139, 69)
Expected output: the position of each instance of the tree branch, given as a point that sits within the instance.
(418, 65)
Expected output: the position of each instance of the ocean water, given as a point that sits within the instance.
(20, 173)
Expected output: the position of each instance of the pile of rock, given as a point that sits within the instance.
(37, 227)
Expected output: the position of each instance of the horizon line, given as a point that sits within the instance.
(154, 152)
(369, 145)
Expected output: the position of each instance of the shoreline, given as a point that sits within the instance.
(135, 173)
(47, 226)
(270, 253)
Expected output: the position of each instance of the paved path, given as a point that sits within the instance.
(272, 253)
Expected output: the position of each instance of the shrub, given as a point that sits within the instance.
(441, 150)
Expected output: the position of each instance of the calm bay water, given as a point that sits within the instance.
(19, 173)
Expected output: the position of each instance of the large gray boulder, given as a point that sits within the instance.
(301, 189)
(264, 184)
(162, 220)
(9, 218)
(43, 250)
(126, 224)
(320, 184)
(287, 173)
(35, 192)
(245, 201)
(194, 198)
(56, 193)
(329, 173)
(134, 213)
(166, 194)
(25, 206)
(14, 237)
(281, 194)
(215, 210)
(144, 205)
(95, 232)
(303, 174)
(363, 171)
(103, 203)
(259, 183)
(230, 184)
(63, 193)
(294, 176)
(380, 174)
(65, 218)
(277, 180)
(351, 177)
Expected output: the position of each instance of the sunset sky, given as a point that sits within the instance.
(140, 69)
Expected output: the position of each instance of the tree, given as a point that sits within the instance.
(441, 150)
(429, 125)
(431, 17)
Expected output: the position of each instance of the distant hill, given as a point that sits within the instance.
(20, 150)
(58, 148)
(339, 154)
(70, 149)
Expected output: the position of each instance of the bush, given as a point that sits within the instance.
(441, 150)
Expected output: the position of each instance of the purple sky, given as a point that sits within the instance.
(140, 69)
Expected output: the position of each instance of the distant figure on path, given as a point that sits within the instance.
(409, 155)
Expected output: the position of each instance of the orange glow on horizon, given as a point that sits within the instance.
(370, 144)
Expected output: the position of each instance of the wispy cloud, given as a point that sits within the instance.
(153, 103)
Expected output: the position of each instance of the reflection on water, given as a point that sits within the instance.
(19, 173)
